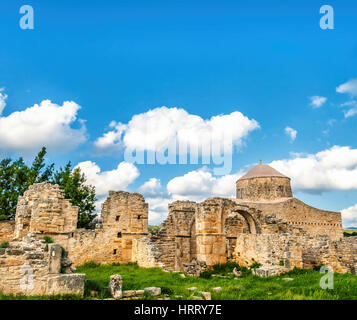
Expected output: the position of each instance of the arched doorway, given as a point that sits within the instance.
(236, 221)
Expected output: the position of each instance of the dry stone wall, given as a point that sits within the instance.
(6, 230)
(292, 250)
(43, 209)
(29, 267)
(298, 214)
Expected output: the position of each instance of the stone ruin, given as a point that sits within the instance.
(31, 267)
(263, 224)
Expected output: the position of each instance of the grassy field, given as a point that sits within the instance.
(305, 284)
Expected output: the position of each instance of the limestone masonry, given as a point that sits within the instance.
(263, 224)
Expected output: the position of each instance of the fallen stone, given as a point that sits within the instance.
(182, 276)
(206, 295)
(115, 286)
(236, 272)
(153, 291)
(196, 298)
(288, 279)
(217, 289)
(192, 288)
(268, 271)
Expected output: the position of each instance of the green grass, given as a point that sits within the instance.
(304, 286)
(306, 283)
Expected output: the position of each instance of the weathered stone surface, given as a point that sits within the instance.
(66, 284)
(194, 268)
(268, 271)
(206, 295)
(236, 272)
(216, 289)
(153, 291)
(115, 286)
(36, 271)
(133, 293)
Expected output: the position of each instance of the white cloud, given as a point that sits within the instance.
(194, 186)
(317, 101)
(349, 216)
(46, 124)
(117, 179)
(352, 108)
(199, 184)
(3, 98)
(291, 133)
(156, 128)
(158, 209)
(350, 87)
(331, 169)
(152, 187)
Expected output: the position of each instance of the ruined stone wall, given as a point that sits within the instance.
(27, 268)
(205, 232)
(268, 249)
(263, 188)
(172, 247)
(124, 218)
(299, 214)
(44, 209)
(214, 231)
(6, 230)
(293, 250)
(146, 254)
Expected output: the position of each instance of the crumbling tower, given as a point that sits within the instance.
(124, 217)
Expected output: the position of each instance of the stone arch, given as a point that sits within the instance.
(237, 220)
(248, 214)
(213, 215)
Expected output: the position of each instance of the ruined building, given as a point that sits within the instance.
(264, 224)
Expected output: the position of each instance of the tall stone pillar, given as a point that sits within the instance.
(210, 237)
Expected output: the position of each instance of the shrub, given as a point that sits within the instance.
(4, 245)
(350, 234)
(154, 230)
(64, 253)
(317, 267)
(206, 274)
(228, 267)
(47, 239)
(166, 290)
(281, 263)
(91, 264)
(255, 265)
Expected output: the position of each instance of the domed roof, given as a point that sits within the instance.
(262, 170)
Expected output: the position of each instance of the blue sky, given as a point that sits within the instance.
(118, 59)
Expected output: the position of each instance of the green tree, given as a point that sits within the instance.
(16, 177)
(80, 194)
